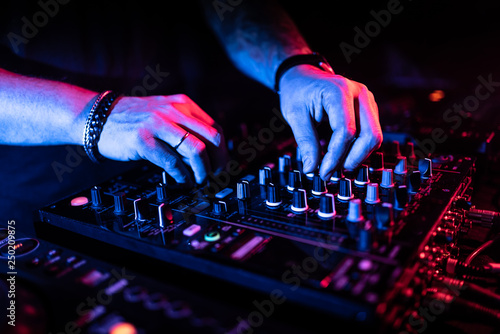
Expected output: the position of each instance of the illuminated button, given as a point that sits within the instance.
(223, 193)
(79, 201)
(123, 328)
(212, 236)
(247, 248)
(191, 230)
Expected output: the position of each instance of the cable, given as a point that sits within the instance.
(478, 250)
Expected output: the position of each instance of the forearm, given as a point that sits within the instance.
(258, 36)
(41, 112)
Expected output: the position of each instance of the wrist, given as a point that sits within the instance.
(312, 60)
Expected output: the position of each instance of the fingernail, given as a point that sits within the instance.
(328, 176)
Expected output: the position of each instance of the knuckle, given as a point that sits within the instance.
(198, 147)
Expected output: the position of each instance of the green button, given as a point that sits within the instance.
(212, 236)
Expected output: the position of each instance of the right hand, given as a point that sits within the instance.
(149, 127)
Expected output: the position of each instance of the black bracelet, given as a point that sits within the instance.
(314, 59)
(95, 123)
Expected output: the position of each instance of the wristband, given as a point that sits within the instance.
(314, 59)
(95, 122)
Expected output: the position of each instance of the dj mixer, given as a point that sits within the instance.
(371, 247)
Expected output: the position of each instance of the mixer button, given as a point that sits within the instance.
(299, 200)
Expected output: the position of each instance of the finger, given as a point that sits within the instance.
(370, 133)
(192, 148)
(306, 137)
(160, 154)
(340, 111)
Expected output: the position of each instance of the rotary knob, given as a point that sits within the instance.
(372, 194)
(319, 186)
(243, 190)
(161, 192)
(294, 180)
(425, 168)
(400, 167)
(220, 208)
(362, 178)
(355, 214)
(326, 206)
(414, 182)
(265, 176)
(119, 202)
(95, 194)
(345, 190)
(299, 200)
(377, 162)
(387, 178)
(273, 196)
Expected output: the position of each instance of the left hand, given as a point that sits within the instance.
(307, 95)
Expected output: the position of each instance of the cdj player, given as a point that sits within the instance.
(394, 246)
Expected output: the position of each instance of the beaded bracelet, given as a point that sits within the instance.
(95, 123)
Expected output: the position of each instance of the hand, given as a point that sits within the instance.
(149, 128)
(308, 94)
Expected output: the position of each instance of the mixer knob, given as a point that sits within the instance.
(95, 194)
(355, 214)
(337, 175)
(119, 201)
(161, 192)
(345, 190)
(410, 152)
(365, 236)
(265, 176)
(384, 216)
(220, 208)
(372, 196)
(319, 186)
(243, 190)
(414, 182)
(165, 216)
(425, 168)
(362, 178)
(326, 206)
(299, 200)
(400, 197)
(377, 162)
(284, 163)
(294, 180)
(273, 197)
(394, 149)
(387, 178)
(400, 168)
(140, 209)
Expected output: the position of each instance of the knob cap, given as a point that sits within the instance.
(284, 163)
(326, 206)
(377, 162)
(400, 167)
(140, 209)
(345, 190)
(394, 149)
(161, 192)
(365, 236)
(414, 182)
(119, 200)
(220, 207)
(95, 194)
(337, 175)
(372, 196)
(294, 180)
(387, 178)
(299, 200)
(355, 214)
(165, 216)
(425, 168)
(265, 176)
(362, 178)
(400, 197)
(319, 186)
(243, 190)
(273, 196)
(384, 216)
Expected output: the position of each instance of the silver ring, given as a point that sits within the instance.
(182, 139)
